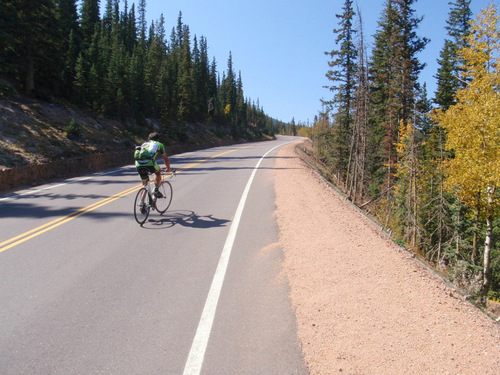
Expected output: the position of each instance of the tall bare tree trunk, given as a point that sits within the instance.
(487, 247)
(357, 150)
(476, 229)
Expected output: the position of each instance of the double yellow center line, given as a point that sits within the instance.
(55, 223)
(14, 241)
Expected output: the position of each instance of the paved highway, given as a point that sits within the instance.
(86, 290)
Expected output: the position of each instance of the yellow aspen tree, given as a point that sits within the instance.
(473, 128)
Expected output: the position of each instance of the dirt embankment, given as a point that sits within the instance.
(365, 306)
(42, 141)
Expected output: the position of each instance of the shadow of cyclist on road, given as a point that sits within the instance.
(185, 219)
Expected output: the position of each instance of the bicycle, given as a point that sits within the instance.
(146, 200)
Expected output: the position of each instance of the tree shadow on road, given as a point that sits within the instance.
(184, 218)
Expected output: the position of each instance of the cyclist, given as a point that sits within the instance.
(145, 160)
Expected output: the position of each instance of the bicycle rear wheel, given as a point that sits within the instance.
(142, 206)
(163, 202)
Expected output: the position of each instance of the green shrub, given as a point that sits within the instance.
(73, 129)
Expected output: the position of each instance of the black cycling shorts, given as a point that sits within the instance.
(143, 171)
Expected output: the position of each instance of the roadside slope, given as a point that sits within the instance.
(364, 305)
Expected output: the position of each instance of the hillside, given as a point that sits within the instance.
(39, 132)
(41, 141)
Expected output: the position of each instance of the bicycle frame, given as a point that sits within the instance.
(151, 181)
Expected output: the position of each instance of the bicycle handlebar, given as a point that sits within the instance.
(173, 171)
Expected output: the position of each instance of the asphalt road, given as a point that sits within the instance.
(86, 290)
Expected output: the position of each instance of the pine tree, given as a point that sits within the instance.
(384, 117)
(69, 47)
(89, 20)
(441, 216)
(7, 39)
(128, 27)
(197, 87)
(80, 80)
(448, 76)
(442, 224)
(228, 94)
(186, 111)
(171, 72)
(241, 110)
(31, 37)
(343, 78)
(458, 24)
(10, 41)
(136, 96)
(152, 93)
(204, 79)
(212, 92)
(116, 64)
(107, 20)
(356, 172)
(410, 180)
(96, 59)
(394, 75)
(201, 78)
(142, 21)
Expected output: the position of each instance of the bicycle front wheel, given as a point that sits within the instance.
(141, 206)
(163, 202)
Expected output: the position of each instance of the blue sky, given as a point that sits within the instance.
(279, 45)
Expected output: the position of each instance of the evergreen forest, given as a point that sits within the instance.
(428, 169)
(119, 66)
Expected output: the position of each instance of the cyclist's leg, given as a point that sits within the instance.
(157, 174)
(143, 172)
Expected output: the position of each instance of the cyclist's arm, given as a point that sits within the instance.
(163, 153)
(167, 162)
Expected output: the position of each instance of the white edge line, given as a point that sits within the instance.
(72, 181)
(200, 341)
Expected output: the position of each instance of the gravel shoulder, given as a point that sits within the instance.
(364, 305)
